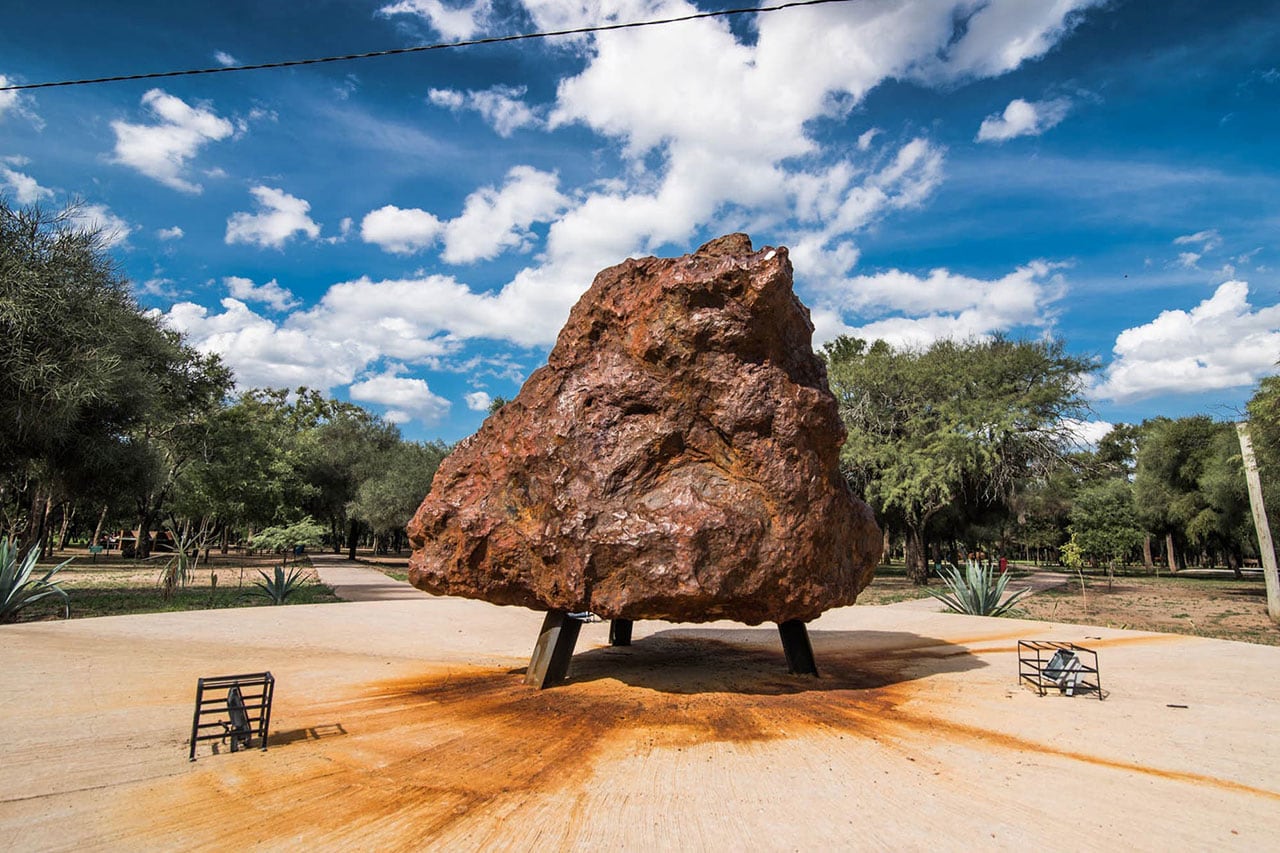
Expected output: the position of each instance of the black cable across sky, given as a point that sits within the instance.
(289, 63)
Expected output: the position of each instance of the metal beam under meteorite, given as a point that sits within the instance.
(549, 664)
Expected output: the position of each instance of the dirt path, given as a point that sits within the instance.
(353, 581)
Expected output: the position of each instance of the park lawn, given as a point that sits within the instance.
(114, 586)
(1220, 607)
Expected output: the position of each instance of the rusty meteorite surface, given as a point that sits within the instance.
(676, 459)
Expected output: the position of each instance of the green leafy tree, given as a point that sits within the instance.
(1104, 523)
(1173, 459)
(248, 472)
(388, 499)
(957, 423)
(86, 369)
(284, 539)
(177, 432)
(336, 456)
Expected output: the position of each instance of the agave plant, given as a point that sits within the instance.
(17, 588)
(278, 587)
(976, 591)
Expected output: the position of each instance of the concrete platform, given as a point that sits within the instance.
(403, 725)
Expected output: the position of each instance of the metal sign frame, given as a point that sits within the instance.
(233, 707)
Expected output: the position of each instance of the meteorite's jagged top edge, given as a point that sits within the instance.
(676, 459)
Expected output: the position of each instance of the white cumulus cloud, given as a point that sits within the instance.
(1087, 434)
(502, 107)
(404, 395)
(719, 131)
(225, 59)
(174, 233)
(400, 230)
(264, 353)
(1224, 342)
(495, 219)
(270, 294)
(1023, 118)
(478, 401)
(453, 21)
(98, 217)
(279, 217)
(908, 310)
(163, 149)
(18, 104)
(25, 189)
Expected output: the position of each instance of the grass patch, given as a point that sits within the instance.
(113, 586)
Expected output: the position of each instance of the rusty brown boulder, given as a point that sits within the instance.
(676, 459)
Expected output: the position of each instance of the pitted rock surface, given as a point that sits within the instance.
(675, 459)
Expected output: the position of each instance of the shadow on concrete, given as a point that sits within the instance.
(750, 661)
(320, 732)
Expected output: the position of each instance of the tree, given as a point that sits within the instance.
(1104, 523)
(957, 423)
(1172, 461)
(388, 499)
(176, 432)
(1264, 428)
(84, 366)
(248, 471)
(336, 456)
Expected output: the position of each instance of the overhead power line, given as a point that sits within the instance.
(290, 63)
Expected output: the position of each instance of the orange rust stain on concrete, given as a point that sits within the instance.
(959, 731)
(415, 758)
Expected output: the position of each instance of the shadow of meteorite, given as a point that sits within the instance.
(751, 661)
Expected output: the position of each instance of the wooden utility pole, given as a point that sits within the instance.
(1266, 550)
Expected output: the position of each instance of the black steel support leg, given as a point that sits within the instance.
(550, 662)
(795, 645)
(620, 632)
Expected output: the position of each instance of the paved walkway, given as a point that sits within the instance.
(353, 581)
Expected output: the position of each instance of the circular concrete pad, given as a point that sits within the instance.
(404, 724)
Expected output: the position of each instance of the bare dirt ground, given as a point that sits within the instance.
(1201, 603)
(1207, 607)
(405, 725)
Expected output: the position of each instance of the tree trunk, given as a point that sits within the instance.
(1266, 551)
(34, 531)
(48, 525)
(67, 518)
(917, 569)
(354, 529)
(97, 529)
(226, 537)
(885, 556)
(334, 532)
(142, 545)
(1171, 553)
(1147, 559)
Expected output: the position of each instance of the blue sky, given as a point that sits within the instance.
(410, 232)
